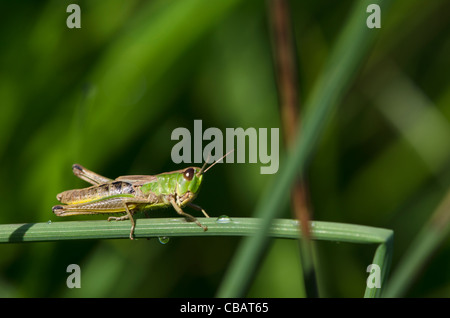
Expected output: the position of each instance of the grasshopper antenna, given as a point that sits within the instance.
(204, 165)
(202, 170)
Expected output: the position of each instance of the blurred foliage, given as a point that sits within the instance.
(109, 95)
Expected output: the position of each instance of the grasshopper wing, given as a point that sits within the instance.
(137, 179)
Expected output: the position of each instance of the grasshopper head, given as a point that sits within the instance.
(190, 180)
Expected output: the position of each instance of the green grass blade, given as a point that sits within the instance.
(382, 258)
(171, 227)
(421, 250)
(178, 227)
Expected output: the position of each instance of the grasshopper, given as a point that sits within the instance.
(127, 195)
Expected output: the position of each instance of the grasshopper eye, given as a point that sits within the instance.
(188, 174)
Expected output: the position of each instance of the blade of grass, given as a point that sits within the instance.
(157, 227)
(422, 248)
(345, 60)
(170, 227)
(382, 258)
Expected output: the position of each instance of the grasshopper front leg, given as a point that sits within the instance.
(198, 208)
(188, 217)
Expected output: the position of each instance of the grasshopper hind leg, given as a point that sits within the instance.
(106, 206)
(88, 175)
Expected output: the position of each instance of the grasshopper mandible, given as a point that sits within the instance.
(127, 195)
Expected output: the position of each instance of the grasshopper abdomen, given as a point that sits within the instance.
(95, 192)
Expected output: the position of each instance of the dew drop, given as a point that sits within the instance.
(223, 219)
(164, 239)
(49, 222)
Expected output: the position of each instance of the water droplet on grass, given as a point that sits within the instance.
(164, 239)
(223, 219)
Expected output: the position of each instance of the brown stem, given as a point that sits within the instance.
(285, 64)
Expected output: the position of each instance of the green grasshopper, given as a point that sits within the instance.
(127, 195)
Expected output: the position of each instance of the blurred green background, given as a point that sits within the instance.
(109, 95)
